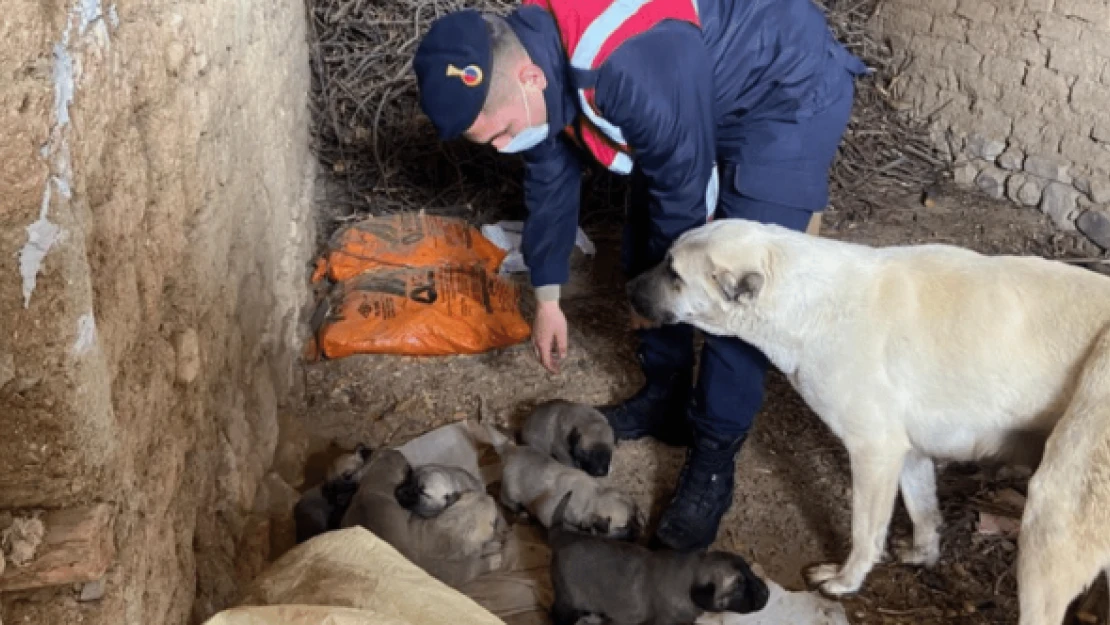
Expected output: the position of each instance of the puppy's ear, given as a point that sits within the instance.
(363, 451)
(635, 526)
(601, 526)
(739, 288)
(703, 596)
(573, 439)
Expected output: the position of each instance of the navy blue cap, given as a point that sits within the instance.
(452, 65)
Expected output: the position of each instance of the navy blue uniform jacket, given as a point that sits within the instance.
(683, 99)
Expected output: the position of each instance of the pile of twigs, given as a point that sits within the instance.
(884, 146)
(369, 132)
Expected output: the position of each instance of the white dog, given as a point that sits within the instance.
(1065, 531)
(908, 354)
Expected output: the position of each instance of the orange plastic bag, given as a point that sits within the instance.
(414, 285)
(406, 240)
(423, 311)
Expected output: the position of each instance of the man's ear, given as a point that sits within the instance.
(742, 288)
(531, 74)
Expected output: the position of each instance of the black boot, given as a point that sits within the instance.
(658, 409)
(703, 495)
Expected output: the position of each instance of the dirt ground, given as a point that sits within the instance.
(791, 505)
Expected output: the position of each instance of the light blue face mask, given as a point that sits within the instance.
(528, 138)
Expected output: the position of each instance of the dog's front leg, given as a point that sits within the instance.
(875, 471)
(919, 492)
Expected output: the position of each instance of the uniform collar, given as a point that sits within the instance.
(540, 37)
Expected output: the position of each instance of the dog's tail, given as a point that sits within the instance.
(558, 529)
(485, 430)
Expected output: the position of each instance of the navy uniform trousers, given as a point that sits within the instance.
(730, 385)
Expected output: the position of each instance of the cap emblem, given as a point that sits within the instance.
(471, 75)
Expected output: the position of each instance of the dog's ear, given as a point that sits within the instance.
(636, 525)
(703, 596)
(573, 438)
(601, 526)
(452, 498)
(363, 451)
(739, 288)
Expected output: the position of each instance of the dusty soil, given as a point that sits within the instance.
(791, 504)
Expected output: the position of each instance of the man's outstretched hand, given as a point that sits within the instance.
(549, 334)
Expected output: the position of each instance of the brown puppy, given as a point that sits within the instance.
(321, 507)
(626, 583)
(573, 433)
(534, 481)
(430, 489)
(462, 542)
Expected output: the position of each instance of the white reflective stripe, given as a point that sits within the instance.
(601, 29)
(610, 130)
(712, 192)
(589, 46)
(622, 164)
(697, 11)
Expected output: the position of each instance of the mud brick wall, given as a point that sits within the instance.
(155, 183)
(1018, 94)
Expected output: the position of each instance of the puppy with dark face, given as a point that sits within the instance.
(534, 481)
(430, 489)
(575, 434)
(351, 465)
(321, 507)
(624, 582)
(465, 540)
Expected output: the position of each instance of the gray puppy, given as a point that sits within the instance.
(321, 507)
(573, 433)
(430, 489)
(534, 481)
(461, 543)
(625, 583)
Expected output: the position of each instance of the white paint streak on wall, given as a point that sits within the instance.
(63, 82)
(43, 234)
(89, 13)
(86, 334)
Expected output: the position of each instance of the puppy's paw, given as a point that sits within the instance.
(919, 555)
(821, 573)
(830, 581)
(491, 548)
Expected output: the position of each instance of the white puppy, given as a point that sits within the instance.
(908, 354)
(1065, 530)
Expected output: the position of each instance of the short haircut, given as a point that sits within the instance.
(506, 51)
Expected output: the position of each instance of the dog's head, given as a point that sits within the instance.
(348, 465)
(711, 277)
(724, 582)
(617, 516)
(591, 448)
(428, 491)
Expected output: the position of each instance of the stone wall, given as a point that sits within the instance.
(155, 182)
(1017, 93)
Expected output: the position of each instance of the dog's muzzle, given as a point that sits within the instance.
(642, 295)
(407, 494)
